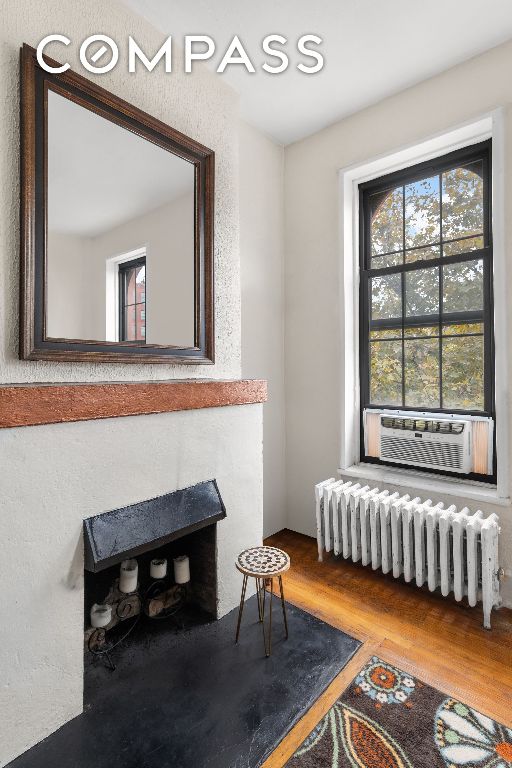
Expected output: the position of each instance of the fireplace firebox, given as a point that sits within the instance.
(155, 560)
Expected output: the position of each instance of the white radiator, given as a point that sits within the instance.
(419, 540)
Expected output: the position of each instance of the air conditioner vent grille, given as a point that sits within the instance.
(436, 454)
(439, 427)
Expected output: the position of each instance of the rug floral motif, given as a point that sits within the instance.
(389, 719)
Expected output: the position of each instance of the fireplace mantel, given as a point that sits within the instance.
(36, 404)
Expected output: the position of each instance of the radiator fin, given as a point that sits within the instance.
(445, 549)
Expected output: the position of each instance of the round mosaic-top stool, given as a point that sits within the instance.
(263, 564)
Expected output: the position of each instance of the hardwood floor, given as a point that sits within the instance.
(434, 638)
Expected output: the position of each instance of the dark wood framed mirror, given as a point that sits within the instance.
(117, 216)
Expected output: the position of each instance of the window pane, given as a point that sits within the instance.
(463, 246)
(422, 373)
(386, 210)
(463, 373)
(461, 329)
(133, 307)
(463, 201)
(422, 331)
(422, 212)
(389, 260)
(141, 284)
(422, 254)
(386, 373)
(130, 331)
(422, 292)
(140, 323)
(386, 297)
(130, 286)
(463, 286)
(386, 333)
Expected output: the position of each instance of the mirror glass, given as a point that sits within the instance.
(120, 233)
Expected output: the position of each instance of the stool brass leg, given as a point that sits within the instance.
(263, 601)
(284, 606)
(270, 619)
(241, 609)
(259, 596)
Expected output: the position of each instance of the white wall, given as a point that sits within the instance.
(77, 268)
(314, 367)
(168, 234)
(65, 286)
(261, 253)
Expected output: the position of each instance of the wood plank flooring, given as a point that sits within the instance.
(434, 638)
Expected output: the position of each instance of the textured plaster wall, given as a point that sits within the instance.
(54, 476)
(262, 267)
(198, 104)
(314, 254)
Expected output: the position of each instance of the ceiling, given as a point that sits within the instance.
(372, 49)
(92, 187)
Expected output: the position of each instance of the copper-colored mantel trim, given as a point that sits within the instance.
(30, 405)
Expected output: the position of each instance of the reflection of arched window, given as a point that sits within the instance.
(426, 303)
(126, 303)
(132, 300)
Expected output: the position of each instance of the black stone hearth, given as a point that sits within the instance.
(194, 699)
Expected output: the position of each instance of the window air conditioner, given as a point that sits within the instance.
(431, 441)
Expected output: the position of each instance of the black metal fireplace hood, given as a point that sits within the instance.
(114, 536)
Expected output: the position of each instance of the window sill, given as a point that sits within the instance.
(425, 481)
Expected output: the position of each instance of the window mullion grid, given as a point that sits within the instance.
(123, 304)
(488, 335)
(441, 290)
(484, 254)
(430, 245)
(403, 296)
(488, 293)
(365, 370)
(120, 310)
(133, 270)
(412, 266)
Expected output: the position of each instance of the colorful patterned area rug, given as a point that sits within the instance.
(389, 719)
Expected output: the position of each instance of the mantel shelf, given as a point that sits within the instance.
(35, 404)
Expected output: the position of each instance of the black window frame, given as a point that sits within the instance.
(124, 268)
(476, 152)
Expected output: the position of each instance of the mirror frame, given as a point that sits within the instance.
(34, 344)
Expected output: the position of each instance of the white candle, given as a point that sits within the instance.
(181, 570)
(158, 568)
(101, 615)
(128, 576)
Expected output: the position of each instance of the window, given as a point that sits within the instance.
(132, 300)
(426, 288)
